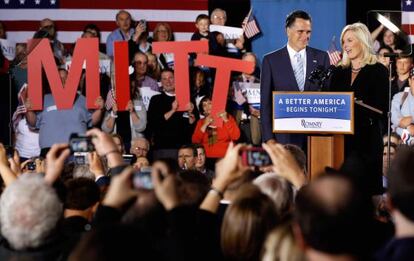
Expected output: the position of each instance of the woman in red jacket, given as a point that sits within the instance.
(214, 139)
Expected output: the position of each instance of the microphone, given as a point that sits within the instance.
(329, 71)
(316, 74)
(319, 75)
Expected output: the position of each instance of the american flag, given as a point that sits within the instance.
(407, 18)
(333, 53)
(250, 26)
(21, 108)
(110, 100)
(22, 17)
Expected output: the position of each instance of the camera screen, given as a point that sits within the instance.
(142, 179)
(128, 158)
(81, 144)
(31, 165)
(80, 158)
(258, 158)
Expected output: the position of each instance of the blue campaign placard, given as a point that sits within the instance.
(313, 112)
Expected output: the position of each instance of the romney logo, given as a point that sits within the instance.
(311, 124)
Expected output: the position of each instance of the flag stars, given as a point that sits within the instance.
(408, 2)
(37, 2)
(52, 2)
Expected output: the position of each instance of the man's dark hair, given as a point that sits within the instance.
(201, 17)
(122, 12)
(291, 18)
(93, 27)
(194, 187)
(167, 70)
(190, 146)
(82, 193)
(298, 154)
(199, 146)
(204, 99)
(333, 216)
(401, 181)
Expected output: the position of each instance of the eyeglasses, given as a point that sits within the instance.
(140, 148)
(220, 17)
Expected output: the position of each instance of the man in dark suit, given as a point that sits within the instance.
(288, 69)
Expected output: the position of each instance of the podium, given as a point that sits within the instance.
(325, 116)
(324, 151)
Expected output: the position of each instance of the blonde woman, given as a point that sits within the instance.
(164, 33)
(281, 245)
(361, 73)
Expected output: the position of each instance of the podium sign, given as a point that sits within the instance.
(313, 112)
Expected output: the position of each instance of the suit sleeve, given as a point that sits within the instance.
(266, 101)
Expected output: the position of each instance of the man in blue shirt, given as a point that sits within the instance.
(123, 33)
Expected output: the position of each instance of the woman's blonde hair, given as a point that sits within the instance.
(157, 28)
(363, 35)
(281, 245)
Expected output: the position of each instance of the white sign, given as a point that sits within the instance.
(104, 66)
(317, 125)
(313, 112)
(146, 94)
(252, 92)
(8, 48)
(227, 31)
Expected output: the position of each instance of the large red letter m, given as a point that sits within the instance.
(41, 55)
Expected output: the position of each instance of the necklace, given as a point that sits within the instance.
(356, 70)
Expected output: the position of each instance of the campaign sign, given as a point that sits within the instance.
(104, 66)
(228, 32)
(8, 48)
(313, 112)
(146, 94)
(252, 92)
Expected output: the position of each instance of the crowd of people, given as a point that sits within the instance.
(166, 184)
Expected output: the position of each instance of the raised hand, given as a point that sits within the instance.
(174, 105)
(99, 103)
(55, 161)
(284, 164)
(130, 107)
(224, 116)
(105, 146)
(165, 189)
(120, 190)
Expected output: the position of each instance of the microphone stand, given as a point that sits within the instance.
(10, 104)
(392, 57)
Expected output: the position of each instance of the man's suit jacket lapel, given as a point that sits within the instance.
(289, 69)
(311, 63)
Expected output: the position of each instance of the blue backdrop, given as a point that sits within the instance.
(328, 19)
